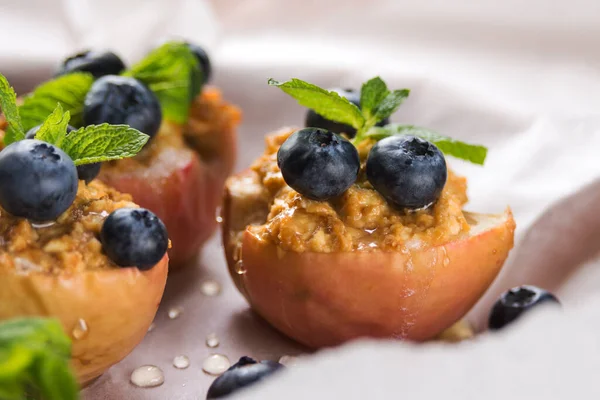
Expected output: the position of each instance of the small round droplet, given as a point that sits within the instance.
(219, 219)
(210, 288)
(147, 376)
(181, 362)
(151, 327)
(80, 330)
(212, 340)
(216, 364)
(288, 361)
(240, 268)
(175, 312)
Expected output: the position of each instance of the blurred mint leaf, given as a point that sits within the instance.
(68, 90)
(390, 104)
(8, 104)
(327, 103)
(54, 128)
(475, 154)
(34, 361)
(372, 94)
(104, 142)
(169, 71)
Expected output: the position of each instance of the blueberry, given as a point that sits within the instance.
(134, 237)
(317, 121)
(95, 62)
(38, 181)
(244, 373)
(203, 60)
(86, 172)
(317, 163)
(198, 79)
(516, 301)
(122, 100)
(407, 171)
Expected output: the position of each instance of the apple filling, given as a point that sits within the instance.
(359, 220)
(68, 245)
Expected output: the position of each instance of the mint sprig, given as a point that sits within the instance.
(54, 128)
(104, 142)
(34, 361)
(327, 103)
(475, 154)
(93, 143)
(169, 71)
(8, 103)
(68, 90)
(377, 103)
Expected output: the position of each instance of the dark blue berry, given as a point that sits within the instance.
(199, 78)
(516, 301)
(317, 121)
(134, 237)
(203, 61)
(95, 62)
(244, 373)
(122, 100)
(317, 163)
(407, 171)
(86, 172)
(38, 181)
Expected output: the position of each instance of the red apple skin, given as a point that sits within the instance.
(180, 176)
(118, 305)
(326, 299)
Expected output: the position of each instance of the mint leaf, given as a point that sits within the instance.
(372, 94)
(390, 104)
(34, 360)
(97, 143)
(54, 128)
(168, 72)
(8, 103)
(324, 102)
(69, 90)
(475, 154)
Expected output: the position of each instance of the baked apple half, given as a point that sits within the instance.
(181, 173)
(325, 272)
(77, 251)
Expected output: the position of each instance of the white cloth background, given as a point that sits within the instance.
(519, 77)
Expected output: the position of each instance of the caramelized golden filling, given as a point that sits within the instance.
(360, 219)
(69, 244)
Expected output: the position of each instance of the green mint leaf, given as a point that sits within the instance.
(390, 104)
(169, 71)
(55, 380)
(475, 154)
(68, 90)
(54, 128)
(98, 143)
(324, 102)
(34, 360)
(8, 103)
(372, 94)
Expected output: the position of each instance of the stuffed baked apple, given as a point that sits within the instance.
(80, 252)
(180, 173)
(331, 238)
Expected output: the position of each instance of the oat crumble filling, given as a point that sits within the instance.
(68, 245)
(359, 220)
